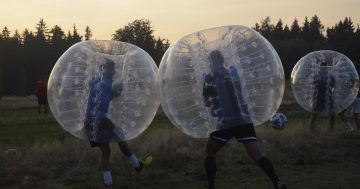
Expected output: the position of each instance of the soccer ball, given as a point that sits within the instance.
(279, 121)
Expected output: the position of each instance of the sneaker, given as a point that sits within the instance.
(349, 126)
(281, 185)
(147, 161)
(208, 187)
(144, 163)
(107, 185)
(349, 130)
(140, 168)
(107, 178)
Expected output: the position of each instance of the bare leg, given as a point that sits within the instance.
(105, 156)
(135, 163)
(342, 117)
(105, 162)
(253, 151)
(124, 147)
(210, 162)
(212, 148)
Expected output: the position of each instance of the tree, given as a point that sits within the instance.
(160, 48)
(88, 33)
(76, 36)
(1, 77)
(295, 29)
(5, 34)
(343, 37)
(28, 38)
(316, 29)
(73, 37)
(57, 35)
(277, 32)
(257, 27)
(266, 27)
(41, 33)
(58, 44)
(140, 33)
(286, 32)
(16, 38)
(305, 30)
(69, 36)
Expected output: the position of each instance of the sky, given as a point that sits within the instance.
(171, 19)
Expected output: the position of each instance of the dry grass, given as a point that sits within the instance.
(177, 159)
(9, 102)
(304, 160)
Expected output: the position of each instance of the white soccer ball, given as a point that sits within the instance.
(279, 121)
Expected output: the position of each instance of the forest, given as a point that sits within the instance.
(29, 55)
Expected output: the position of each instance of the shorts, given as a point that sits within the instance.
(105, 133)
(242, 133)
(97, 144)
(356, 105)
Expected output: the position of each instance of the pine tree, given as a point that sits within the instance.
(295, 29)
(88, 33)
(5, 34)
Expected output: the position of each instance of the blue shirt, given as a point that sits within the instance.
(227, 103)
(100, 95)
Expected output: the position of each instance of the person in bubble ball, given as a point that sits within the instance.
(222, 97)
(324, 84)
(100, 129)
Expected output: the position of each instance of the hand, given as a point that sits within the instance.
(117, 89)
(207, 102)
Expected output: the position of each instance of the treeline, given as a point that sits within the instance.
(28, 56)
(295, 41)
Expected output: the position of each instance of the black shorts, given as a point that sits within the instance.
(97, 144)
(242, 133)
(105, 132)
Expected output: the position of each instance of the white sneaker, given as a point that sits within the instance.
(280, 185)
(107, 178)
(348, 126)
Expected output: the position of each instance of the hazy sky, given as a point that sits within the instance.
(171, 19)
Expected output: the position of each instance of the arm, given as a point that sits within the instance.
(116, 89)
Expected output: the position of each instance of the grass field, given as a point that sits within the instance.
(48, 157)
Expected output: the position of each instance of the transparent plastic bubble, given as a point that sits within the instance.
(109, 86)
(218, 78)
(324, 82)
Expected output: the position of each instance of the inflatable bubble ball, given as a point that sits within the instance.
(324, 82)
(104, 90)
(219, 78)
